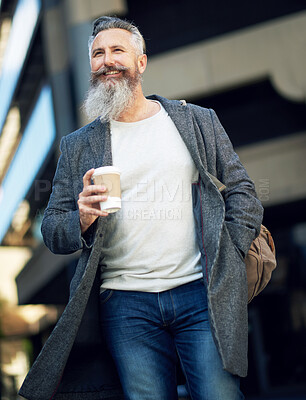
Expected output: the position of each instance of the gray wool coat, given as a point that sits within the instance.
(74, 363)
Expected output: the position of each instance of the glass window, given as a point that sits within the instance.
(36, 142)
(23, 25)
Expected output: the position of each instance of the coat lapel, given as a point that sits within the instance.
(100, 142)
(99, 137)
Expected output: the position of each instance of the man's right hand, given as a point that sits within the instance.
(89, 199)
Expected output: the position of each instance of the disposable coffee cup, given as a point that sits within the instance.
(110, 178)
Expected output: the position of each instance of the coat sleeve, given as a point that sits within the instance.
(243, 210)
(61, 222)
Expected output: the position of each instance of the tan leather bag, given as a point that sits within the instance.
(260, 260)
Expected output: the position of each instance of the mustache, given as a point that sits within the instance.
(103, 70)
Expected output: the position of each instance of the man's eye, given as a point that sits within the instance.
(97, 53)
(118, 50)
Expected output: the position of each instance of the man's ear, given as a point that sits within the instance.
(142, 63)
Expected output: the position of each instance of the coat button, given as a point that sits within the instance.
(100, 235)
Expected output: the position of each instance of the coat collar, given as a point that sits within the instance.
(99, 135)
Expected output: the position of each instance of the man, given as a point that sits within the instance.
(169, 266)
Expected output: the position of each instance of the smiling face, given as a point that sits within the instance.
(116, 69)
(114, 56)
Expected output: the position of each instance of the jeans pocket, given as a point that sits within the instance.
(105, 295)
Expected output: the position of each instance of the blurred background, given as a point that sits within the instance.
(246, 60)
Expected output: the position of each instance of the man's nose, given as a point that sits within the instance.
(108, 59)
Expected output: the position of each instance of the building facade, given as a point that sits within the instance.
(245, 60)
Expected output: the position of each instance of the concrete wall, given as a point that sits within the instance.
(274, 49)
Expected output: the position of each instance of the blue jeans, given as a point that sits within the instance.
(146, 331)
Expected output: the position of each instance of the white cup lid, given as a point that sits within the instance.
(106, 170)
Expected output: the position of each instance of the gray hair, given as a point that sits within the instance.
(105, 23)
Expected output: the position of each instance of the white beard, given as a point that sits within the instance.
(108, 100)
